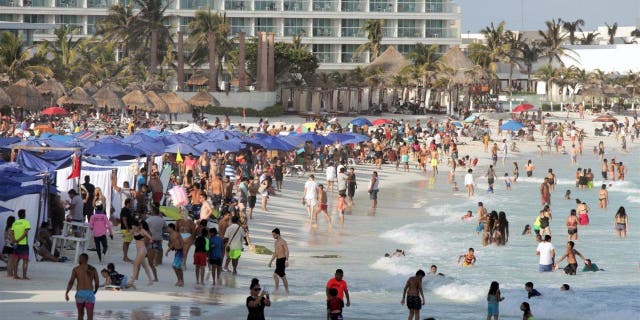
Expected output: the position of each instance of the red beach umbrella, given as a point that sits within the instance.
(54, 111)
(523, 107)
(381, 122)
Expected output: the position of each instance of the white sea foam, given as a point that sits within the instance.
(460, 292)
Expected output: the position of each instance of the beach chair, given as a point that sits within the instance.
(81, 243)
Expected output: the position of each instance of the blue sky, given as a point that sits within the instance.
(477, 14)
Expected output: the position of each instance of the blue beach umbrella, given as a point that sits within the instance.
(224, 145)
(360, 122)
(315, 138)
(114, 150)
(512, 125)
(183, 148)
(471, 118)
(272, 143)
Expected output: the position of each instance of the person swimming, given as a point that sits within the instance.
(467, 216)
(526, 230)
(469, 258)
(397, 253)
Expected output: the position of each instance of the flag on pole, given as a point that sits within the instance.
(179, 156)
(75, 169)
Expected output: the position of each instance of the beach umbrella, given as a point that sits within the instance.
(5, 100)
(381, 122)
(457, 124)
(314, 138)
(231, 145)
(523, 107)
(77, 97)
(471, 118)
(25, 96)
(159, 105)
(175, 103)
(137, 99)
(605, 118)
(3, 209)
(114, 150)
(51, 89)
(144, 142)
(347, 138)
(360, 122)
(512, 125)
(107, 97)
(203, 99)
(54, 111)
(272, 143)
(217, 134)
(183, 148)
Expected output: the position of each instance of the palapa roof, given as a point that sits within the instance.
(391, 62)
(51, 88)
(106, 97)
(5, 100)
(464, 68)
(77, 97)
(158, 104)
(25, 95)
(203, 99)
(137, 99)
(89, 87)
(591, 91)
(198, 79)
(175, 103)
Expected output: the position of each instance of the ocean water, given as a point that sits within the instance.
(422, 217)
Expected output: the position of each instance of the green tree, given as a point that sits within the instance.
(118, 27)
(589, 38)
(206, 21)
(67, 62)
(154, 28)
(552, 41)
(548, 74)
(19, 61)
(495, 51)
(292, 66)
(424, 67)
(374, 30)
(611, 31)
(571, 27)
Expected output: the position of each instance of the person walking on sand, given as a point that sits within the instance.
(20, 229)
(310, 196)
(468, 182)
(233, 237)
(322, 207)
(414, 295)
(493, 300)
(176, 244)
(281, 255)
(374, 185)
(87, 280)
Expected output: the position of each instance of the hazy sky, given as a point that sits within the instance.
(477, 14)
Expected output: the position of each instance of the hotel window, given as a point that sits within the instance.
(323, 53)
(380, 6)
(36, 18)
(351, 28)
(72, 21)
(348, 54)
(265, 5)
(237, 5)
(240, 25)
(407, 6)
(406, 48)
(295, 27)
(193, 4)
(352, 6)
(408, 29)
(8, 17)
(8, 3)
(36, 3)
(295, 5)
(68, 3)
(184, 24)
(435, 29)
(265, 24)
(100, 3)
(325, 5)
(91, 24)
(323, 28)
(434, 6)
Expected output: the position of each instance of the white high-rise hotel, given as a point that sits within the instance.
(331, 28)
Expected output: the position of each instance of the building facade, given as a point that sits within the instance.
(332, 29)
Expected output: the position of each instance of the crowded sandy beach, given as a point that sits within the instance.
(381, 210)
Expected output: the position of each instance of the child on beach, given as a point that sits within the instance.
(469, 258)
(114, 280)
(526, 311)
(341, 207)
(493, 300)
(567, 195)
(334, 305)
(200, 255)
(176, 243)
(467, 216)
(507, 181)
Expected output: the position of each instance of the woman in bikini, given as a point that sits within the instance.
(186, 229)
(516, 174)
(621, 222)
(583, 212)
(140, 236)
(603, 197)
(572, 225)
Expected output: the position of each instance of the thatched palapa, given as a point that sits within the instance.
(137, 99)
(77, 97)
(203, 99)
(107, 98)
(175, 103)
(391, 62)
(464, 68)
(158, 104)
(51, 89)
(89, 88)
(198, 80)
(5, 100)
(25, 95)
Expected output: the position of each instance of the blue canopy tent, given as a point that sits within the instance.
(512, 125)
(360, 122)
(40, 163)
(183, 148)
(114, 151)
(8, 141)
(145, 143)
(231, 145)
(272, 143)
(347, 138)
(314, 138)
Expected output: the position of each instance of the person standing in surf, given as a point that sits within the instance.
(414, 295)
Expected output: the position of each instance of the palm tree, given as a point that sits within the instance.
(529, 54)
(118, 27)
(590, 38)
(424, 67)
(200, 27)
(67, 62)
(548, 74)
(19, 61)
(495, 50)
(572, 27)
(611, 31)
(552, 41)
(374, 30)
(153, 25)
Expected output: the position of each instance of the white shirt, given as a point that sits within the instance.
(468, 179)
(310, 190)
(545, 249)
(342, 181)
(236, 242)
(331, 173)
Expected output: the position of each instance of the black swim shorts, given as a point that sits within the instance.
(280, 265)
(414, 303)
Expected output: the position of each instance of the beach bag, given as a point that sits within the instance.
(179, 196)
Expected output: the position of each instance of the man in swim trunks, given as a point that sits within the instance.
(87, 286)
(570, 254)
(281, 255)
(322, 206)
(404, 156)
(176, 244)
(413, 292)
